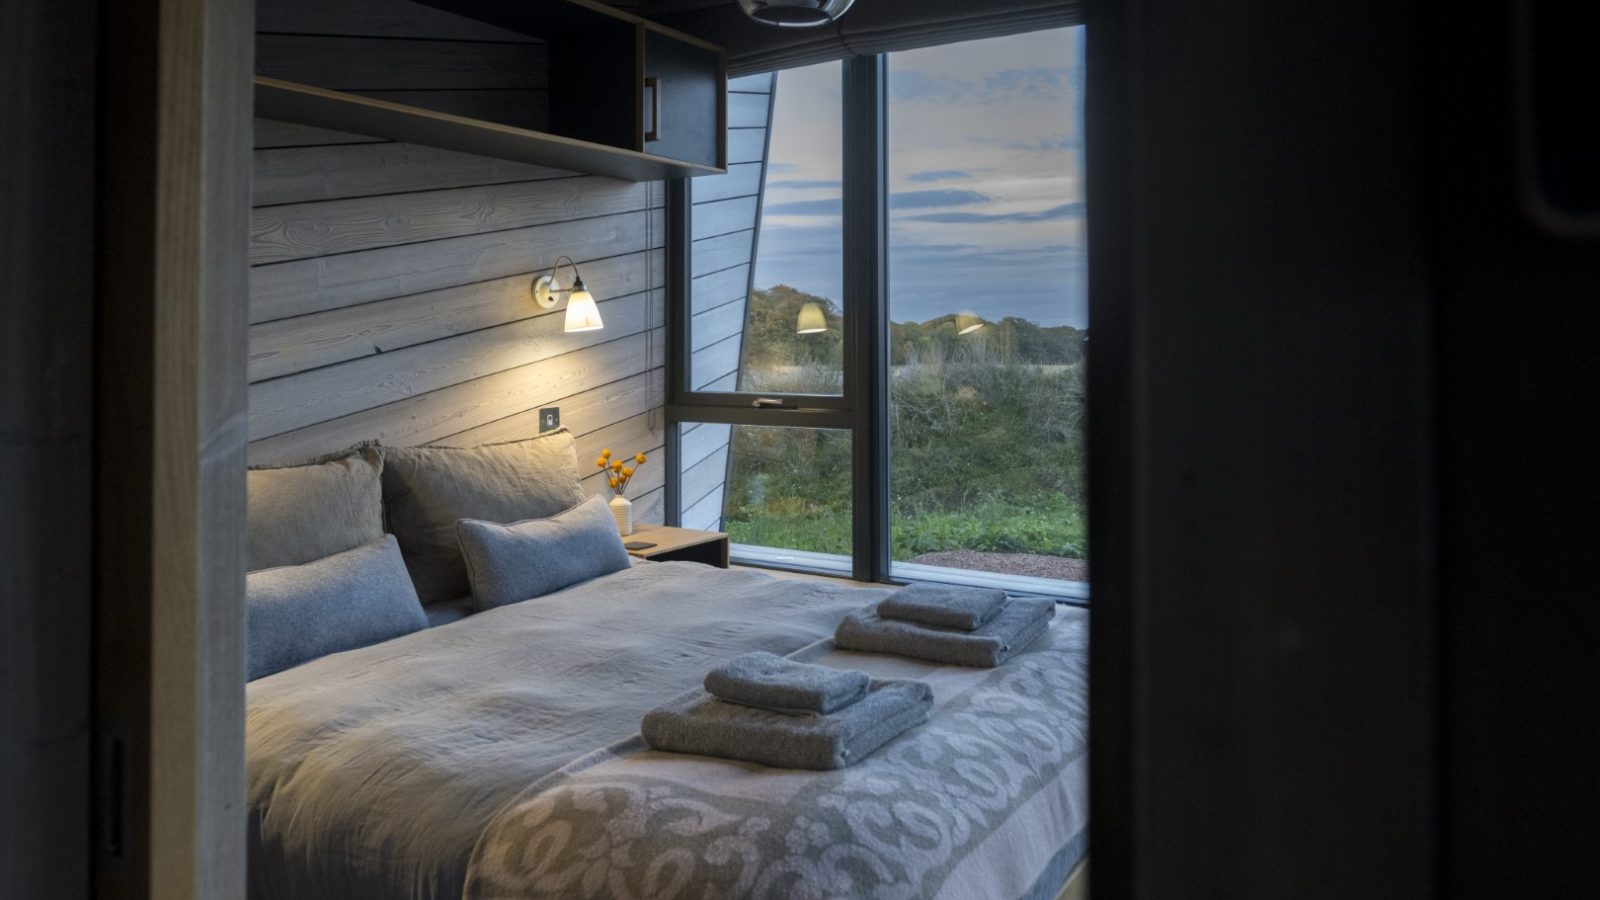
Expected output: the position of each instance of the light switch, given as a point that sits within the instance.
(549, 419)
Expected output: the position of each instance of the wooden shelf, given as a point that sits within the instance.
(307, 105)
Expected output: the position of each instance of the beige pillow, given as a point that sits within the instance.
(298, 514)
(427, 489)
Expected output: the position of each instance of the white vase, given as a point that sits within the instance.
(622, 511)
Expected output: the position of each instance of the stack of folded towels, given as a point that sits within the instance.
(961, 626)
(767, 709)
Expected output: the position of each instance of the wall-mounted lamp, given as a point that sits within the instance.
(811, 321)
(582, 313)
(967, 323)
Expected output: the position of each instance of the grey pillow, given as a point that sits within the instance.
(294, 614)
(301, 513)
(509, 563)
(426, 489)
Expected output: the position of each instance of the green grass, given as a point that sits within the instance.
(1054, 527)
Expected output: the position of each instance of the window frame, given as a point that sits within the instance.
(861, 408)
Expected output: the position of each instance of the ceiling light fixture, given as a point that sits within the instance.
(582, 312)
(795, 13)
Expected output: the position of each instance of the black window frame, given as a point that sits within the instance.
(862, 407)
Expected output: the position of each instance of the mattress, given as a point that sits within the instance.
(499, 756)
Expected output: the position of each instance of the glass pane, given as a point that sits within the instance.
(767, 255)
(988, 307)
(785, 488)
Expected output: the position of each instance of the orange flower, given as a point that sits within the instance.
(605, 454)
(616, 465)
(639, 458)
(600, 462)
(613, 482)
(627, 472)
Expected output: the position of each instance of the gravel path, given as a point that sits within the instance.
(1009, 564)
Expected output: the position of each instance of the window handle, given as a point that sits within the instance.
(766, 403)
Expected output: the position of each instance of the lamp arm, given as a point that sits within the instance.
(545, 287)
(557, 268)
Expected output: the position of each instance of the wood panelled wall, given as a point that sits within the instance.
(389, 300)
(725, 214)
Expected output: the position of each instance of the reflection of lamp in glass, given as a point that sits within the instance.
(967, 323)
(582, 313)
(811, 320)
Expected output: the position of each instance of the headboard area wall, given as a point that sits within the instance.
(390, 283)
(389, 299)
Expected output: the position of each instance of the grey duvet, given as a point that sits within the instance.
(499, 757)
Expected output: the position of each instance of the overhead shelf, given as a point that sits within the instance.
(584, 88)
(307, 105)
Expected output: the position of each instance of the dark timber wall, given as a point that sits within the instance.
(389, 289)
(47, 299)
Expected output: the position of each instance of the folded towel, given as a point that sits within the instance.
(710, 727)
(768, 681)
(1017, 625)
(943, 605)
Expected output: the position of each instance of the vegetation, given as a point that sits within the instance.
(985, 431)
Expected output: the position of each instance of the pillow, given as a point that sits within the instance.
(294, 614)
(508, 563)
(297, 514)
(426, 489)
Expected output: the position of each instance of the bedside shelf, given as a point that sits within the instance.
(681, 544)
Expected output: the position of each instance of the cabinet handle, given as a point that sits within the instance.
(766, 403)
(653, 85)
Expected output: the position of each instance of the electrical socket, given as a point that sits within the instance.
(549, 418)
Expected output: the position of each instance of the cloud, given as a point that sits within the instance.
(802, 184)
(829, 206)
(935, 198)
(834, 206)
(1064, 211)
(937, 175)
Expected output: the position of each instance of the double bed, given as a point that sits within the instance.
(499, 756)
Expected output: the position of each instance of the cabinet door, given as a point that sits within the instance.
(683, 95)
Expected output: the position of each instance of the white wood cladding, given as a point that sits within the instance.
(725, 214)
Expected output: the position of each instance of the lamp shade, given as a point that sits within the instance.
(811, 319)
(967, 323)
(795, 13)
(582, 313)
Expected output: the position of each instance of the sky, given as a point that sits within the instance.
(985, 181)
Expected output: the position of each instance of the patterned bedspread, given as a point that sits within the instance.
(975, 803)
(442, 767)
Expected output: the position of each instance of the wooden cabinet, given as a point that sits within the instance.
(572, 84)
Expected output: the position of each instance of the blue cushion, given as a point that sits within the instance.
(523, 560)
(294, 614)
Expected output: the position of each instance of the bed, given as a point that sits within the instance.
(499, 756)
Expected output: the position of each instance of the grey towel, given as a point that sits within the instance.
(1017, 625)
(768, 681)
(707, 726)
(943, 605)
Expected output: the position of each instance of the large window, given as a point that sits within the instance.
(988, 310)
(906, 394)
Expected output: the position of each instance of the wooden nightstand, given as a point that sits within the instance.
(709, 547)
